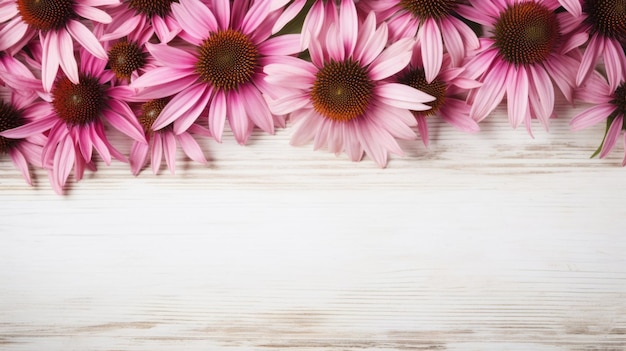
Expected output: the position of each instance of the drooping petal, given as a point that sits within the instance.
(66, 56)
(20, 163)
(611, 135)
(138, 156)
(191, 147)
(491, 93)
(86, 38)
(592, 116)
(432, 53)
(237, 119)
(403, 96)
(169, 150)
(179, 105)
(157, 153)
(217, 115)
(517, 95)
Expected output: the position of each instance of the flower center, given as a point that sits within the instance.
(526, 33)
(125, 58)
(342, 90)
(416, 78)
(9, 118)
(150, 111)
(78, 104)
(227, 59)
(45, 14)
(607, 17)
(150, 8)
(424, 9)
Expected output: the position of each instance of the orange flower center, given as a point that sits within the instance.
(424, 9)
(150, 8)
(125, 58)
(416, 78)
(607, 17)
(78, 104)
(45, 15)
(342, 90)
(526, 33)
(150, 111)
(227, 59)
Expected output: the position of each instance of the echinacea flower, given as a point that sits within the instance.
(155, 15)
(224, 69)
(436, 25)
(163, 142)
(73, 116)
(16, 110)
(58, 25)
(128, 56)
(449, 88)
(608, 106)
(341, 99)
(601, 24)
(520, 58)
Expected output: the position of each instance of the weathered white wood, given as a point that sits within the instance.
(492, 241)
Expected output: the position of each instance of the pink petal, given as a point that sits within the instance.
(348, 25)
(12, 32)
(194, 18)
(191, 148)
(392, 60)
(542, 94)
(456, 112)
(32, 128)
(92, 13)
(64, 159)
(172, 57)
(367, 51)
(257, 109)
(611, 135)
(100, 146)
(217, 115)
(169, 150)
(312, 23)
(591, 116)
(517, 95)
(590, 57)
(453, 42)
(222, 12)
(50, 59)
(185, 121)
(288, 14)
(179, 105)
(334, 46)
(8, 10)
(162, 75)
(403, 96)
(85, 143)
(288, 44)
(572, 6)
(289, 103)
(86, 38)
(432, 53)
(613, 62)
(255, 16)
(125, 125)
(422, 128)
(490, 94)
(20, 163)
(237, 119)
(163, 90)
(138, 156)
(306, 128)
(66, 56)
(157, 153)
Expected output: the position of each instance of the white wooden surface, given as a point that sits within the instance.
(492, 241)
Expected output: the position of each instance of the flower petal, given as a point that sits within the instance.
(591, 116)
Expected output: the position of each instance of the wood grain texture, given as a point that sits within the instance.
(492, 241)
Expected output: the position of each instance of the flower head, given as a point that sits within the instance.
(58, 24)
(436, 25)
(73, 115)
(221, 68)
(449, 88)
(520, 58)
(341, 99)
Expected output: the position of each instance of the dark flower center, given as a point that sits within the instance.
(227, 59)
(9, 118)
(150, 111)
(125, 58)
(150, 8)
(424, 9)
(45, 14)
(416, 78)
(526, 33)
(342, 90)
(607, 17)
(78, 104)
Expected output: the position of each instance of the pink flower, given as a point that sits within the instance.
(519, 59)
(341, 99)
(57, 25)
(601, 25)
(163, 142)
(73, 116)
(434, 22)
(449, 88)
(608, 105)
(155, 15)
(223, 70)
(16, 110)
